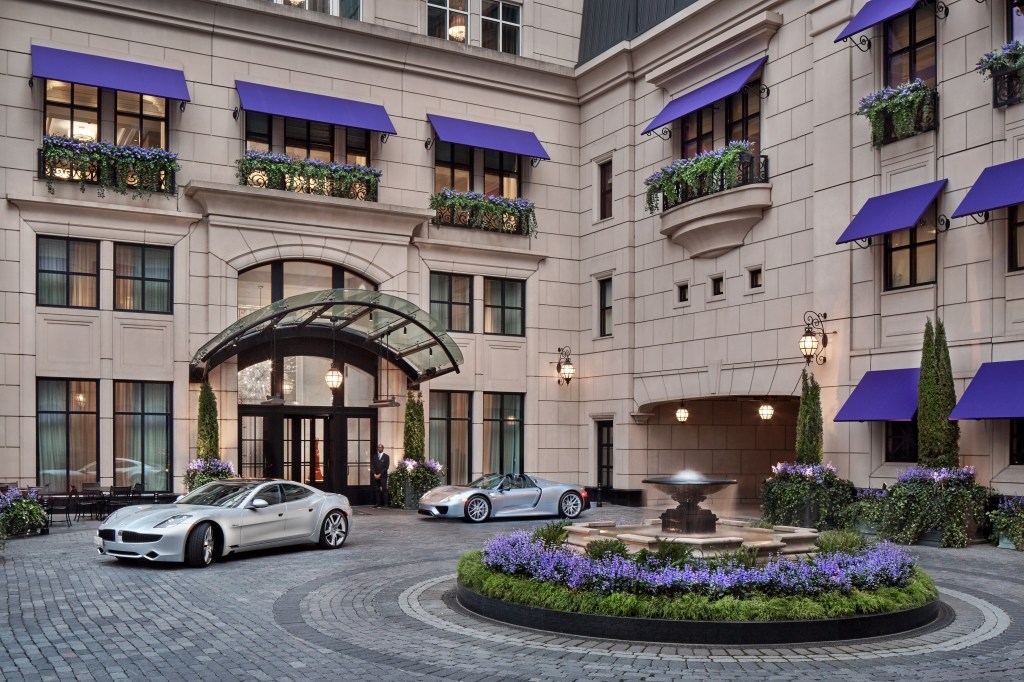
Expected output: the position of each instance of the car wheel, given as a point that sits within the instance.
(570, 506)
(334, 530)
(477, 509)
(199, 546)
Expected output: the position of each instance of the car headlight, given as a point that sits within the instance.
(447, 500)
(175, 520)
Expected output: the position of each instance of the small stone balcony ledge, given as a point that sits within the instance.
(717, 223)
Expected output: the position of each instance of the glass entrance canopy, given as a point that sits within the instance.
(392, 327)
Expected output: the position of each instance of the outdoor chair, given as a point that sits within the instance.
(89, 502)
(57, 505)
(120, 496)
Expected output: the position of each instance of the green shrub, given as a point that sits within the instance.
(742, 556)
(553, 534)
(794, 492)
(866, 510)
(207, 430)
(810, 430)
(598, 549)
(673, 553)
(473, 574)
(422, 476)
(762, 523)
(21, 516)
(924, 499)
(1008, 519)
(842, 540)
(412, 436)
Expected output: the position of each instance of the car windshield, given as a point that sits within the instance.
(219, 494)
(487, 481)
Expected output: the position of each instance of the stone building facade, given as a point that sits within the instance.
(704, 302)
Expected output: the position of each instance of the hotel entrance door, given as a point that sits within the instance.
(306, 450)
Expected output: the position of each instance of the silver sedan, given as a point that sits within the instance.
(497, 495)
(225, 517)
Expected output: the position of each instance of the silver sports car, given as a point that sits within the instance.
(496, 495)
(224, 517)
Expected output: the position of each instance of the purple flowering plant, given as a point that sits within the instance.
(909, 108)
(142, 170)
(421, 475)
(21, 512)
(923, 499)
(1008, 520)
(280, 171)
(806, 495)
(1008, 57)
(202, 471)
(812, 472)
(484, 211)
(707, 172)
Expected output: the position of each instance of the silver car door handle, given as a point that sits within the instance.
(310, 509)
(281, 514)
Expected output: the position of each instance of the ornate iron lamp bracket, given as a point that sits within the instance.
(814, 329)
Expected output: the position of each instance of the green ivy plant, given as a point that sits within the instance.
(279, 171)
(422, 475)
(925, 499)
(120, 168)
(412, 436)
(485, 211)
(1009, 57)
(795, 491)
(1008, 519)
(706, 173)
(905, 106)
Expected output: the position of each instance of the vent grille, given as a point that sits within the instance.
(106, 533)
(133, 537)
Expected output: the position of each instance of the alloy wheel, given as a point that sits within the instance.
(572, 505)
(335, 529)
(208, 546)
(477, 509)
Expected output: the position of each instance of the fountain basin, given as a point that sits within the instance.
(689, 491)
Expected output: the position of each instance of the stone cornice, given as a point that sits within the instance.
(48, 213)
(478, 251)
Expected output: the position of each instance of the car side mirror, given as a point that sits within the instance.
(504, 486)
(259, 503)
(178, 499)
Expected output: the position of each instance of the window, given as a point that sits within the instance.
(683, 292)
(357, 146)
(910, 46)
(604, 307)
(67, 433)
(141, 120)
(910, 257)
(756, 278)
(605, 450)
(448, 20)
(258, 131)
(260, 286)
(142, 278)
(503, 433)
(698, 132)
(450, 429)
(504, 306)
(67, 272)
(451, 301)
(72, 110)
(1017, 442)
(500, 25)
(743, 116)
(271, 494)
(1014, 22)
(295, 493)
(142, 434)
(718, 285)
(308, 139)
(901, 441)
(453, 166)
(1016, 237)
(604, 185)
(501, 174)
(346, 9)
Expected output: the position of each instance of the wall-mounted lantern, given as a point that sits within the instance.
(565, 369)
(815, 339)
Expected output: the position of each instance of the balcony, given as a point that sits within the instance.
(122, 169)
(1008, 87)
(307, 176)
(746, 173)
(483, 212)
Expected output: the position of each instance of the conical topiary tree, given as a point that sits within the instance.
(208, 435)
(412, 438)
(946, 399)
(810, 430)
(930, 429)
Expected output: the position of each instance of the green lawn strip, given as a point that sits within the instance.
(474, 575)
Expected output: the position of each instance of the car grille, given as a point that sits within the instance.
(106, 534)
(132, 536)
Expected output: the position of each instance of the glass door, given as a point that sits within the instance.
(306, 451)
(359, 445)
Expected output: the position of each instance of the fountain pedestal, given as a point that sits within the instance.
(689, 518)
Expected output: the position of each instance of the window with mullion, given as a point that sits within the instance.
(72, 110)
(910, 257)
(503, 433)
(448, 20)
(67, 433)
(901, 441)
(308, 139)
(500, 26)
(698, 132)
(357, 146)
(501, 174)
(743, 116)
(910, 46)
(604, 296)
(451, 301)
(604, 188)
(259, 131)
(450, 433)
(141, 120)
(453, 166)
(504, 306)
(142, 434)
(605, 453)
(67, 272)
(1016, 237)
(143, 278)
(1017, 442)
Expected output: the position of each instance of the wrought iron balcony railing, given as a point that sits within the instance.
(65, 172)
(749, 171)
(1008, 87)
(925, 118)
(477, 218)
(328, 187)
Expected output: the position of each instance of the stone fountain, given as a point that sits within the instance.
(689, 491)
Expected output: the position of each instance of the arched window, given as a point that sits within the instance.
(262, 285)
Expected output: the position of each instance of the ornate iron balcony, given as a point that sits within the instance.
(328, 187)
(121, 175)
(925, 118)
(748, 172)
(1008, 87)
(475, 218)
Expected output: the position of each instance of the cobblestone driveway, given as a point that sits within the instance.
(380, 609)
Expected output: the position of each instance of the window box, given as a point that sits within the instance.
(1004, 66)
(896, 113)
(308, 176)
(705, 174)
(1008, 87)
(141, 170)
(484, 212)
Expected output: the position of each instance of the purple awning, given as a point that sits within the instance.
(996, 392)
(107, 72)
(996, 187)
(267, 99)
(486, 136)
(891, 212)
(875, 12)
(720, 88)
(884, 395)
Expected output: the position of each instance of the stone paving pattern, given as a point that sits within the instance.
(381, 609)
